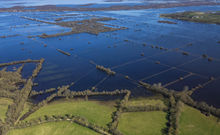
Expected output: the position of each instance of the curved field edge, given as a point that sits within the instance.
(95, 111)
(54, 128)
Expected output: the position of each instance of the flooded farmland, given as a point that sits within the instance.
(132, 43)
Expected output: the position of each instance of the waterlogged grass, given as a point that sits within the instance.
(54, 128)
(94, 111)
(4, 102)
(192, 122)
(142, 123)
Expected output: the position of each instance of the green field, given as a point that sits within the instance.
(55, 128)
(94, 111)
(192, 122)
(142, 123)
(4, 102)
(202, 17)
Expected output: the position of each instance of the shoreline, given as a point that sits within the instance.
(51, 8)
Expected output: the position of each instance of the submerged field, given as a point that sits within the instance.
(181, 54)
(124, 72)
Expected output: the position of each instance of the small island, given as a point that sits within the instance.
(194, 16)
(168, 22)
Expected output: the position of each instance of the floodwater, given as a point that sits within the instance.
(119, 50)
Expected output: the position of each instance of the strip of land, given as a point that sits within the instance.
(201, 17)
(91, 26)
(110, 8)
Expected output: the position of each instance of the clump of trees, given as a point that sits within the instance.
(107, 70)
(204, 55)
(210, 59)
(185, 53)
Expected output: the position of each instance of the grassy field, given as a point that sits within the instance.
(142, 123)
(54, 128)
(94, 111)
(192, 122)
(4, 102)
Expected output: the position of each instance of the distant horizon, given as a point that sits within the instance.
(11, 3)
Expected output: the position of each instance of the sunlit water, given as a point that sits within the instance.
(111, 50)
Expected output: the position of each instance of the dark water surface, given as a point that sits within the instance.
(119, 50)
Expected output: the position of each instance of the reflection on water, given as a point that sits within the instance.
(148, 51)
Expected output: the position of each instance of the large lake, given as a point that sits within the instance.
(122, 51)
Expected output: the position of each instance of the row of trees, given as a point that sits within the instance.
(184, 97)
(45, 101)
(42, 92)
(145, 108)
(14, 110)
(20, 62)
(71, 94)
(107, 70)
(173, 116)
(116, 115)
